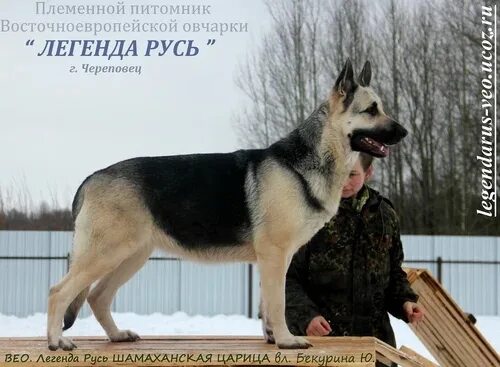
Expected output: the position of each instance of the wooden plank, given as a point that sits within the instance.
(387, 353)
(424, 361)
(445, 330)
(449, 340)
(457, 336)
(464, 321)
(201, 351)
(186, 351)
(437, 326)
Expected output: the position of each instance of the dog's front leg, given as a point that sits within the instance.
(266, 327)
(273, 264)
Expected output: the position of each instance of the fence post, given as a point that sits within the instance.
(67, 261)
(440, 269)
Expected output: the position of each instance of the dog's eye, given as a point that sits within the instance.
(372, 110)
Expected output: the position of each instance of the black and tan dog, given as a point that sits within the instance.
(250, 205)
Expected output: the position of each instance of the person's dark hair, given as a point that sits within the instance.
(366, 160)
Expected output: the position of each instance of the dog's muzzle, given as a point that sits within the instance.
(375, 141)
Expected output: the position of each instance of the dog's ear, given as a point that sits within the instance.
(345, 82)
(366, 75)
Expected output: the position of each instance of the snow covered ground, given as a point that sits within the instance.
(182, 324)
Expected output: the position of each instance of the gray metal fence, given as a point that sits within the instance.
(31, 261)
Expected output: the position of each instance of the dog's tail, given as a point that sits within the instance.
(73, 309)
(78, 199)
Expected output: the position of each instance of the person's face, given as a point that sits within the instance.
(356, 179)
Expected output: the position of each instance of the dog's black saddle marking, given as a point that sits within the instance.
(198, 199)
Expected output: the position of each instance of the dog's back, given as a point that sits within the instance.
(197, 199)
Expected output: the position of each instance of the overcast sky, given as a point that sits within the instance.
(58, 127)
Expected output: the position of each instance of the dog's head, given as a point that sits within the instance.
(356, 110)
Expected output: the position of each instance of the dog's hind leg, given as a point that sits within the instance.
(81, 275)
(102, 295)
(95, 256)
(273, 264)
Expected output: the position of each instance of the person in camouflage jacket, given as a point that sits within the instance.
(346, 279)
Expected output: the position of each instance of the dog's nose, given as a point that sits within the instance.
(403, 131)
(400, 131)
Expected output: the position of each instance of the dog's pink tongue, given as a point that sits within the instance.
(376, 148)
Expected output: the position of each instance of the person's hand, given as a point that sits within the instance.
(318, 327)
(413, 312)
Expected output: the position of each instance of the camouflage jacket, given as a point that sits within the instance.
(350, 272)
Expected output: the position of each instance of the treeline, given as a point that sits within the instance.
(50, 220)
(426, 57)
(18, 212)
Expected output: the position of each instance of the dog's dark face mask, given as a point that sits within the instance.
(366, 125)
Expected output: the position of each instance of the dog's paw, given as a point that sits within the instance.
(268, 336)
(293, 342)
(124, 336)
(63, 343)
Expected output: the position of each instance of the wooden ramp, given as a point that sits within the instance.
(446, 331)
(425, 362)
(203, 351)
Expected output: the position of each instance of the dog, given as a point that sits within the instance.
(257, 205)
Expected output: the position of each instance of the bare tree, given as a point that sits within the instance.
(388, 57)
(291, 72)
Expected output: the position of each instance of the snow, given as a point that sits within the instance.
(182, 324)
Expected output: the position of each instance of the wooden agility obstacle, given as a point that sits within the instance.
(424, 361)
(203, 351)
(446, 331)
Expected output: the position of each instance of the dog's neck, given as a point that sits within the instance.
(334, 143)
(311, 132)
(318, 151)
(328, 147)
(345, 159)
